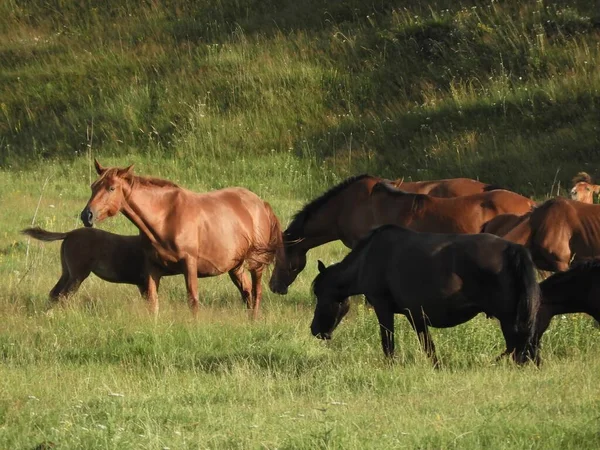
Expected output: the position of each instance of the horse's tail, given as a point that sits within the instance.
(264, 253)
(43, 235)
(527, 291)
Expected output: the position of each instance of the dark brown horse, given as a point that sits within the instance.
(583, 188)
(197, 235)
(559, 231)
(112, 257)
(439, 280)
(467, 214)
(343, 213)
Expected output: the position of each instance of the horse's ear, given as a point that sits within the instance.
(98, 167)
(321, 266)
(126, 171)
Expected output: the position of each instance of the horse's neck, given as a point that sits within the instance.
(140, 208)
(346, 278)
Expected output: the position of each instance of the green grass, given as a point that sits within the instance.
(287, 99)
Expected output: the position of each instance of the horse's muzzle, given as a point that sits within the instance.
(87, 217)
(277, 288)
(320, 335)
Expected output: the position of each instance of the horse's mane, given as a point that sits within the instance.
(582, 177)
(136, 179)
(295, 228)
(355, 252)
(576, 269)
(493, 187)
(151, 181)
(418, 200)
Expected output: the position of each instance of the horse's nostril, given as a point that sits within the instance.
(90, 216)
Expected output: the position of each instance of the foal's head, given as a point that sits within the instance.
(583, 190)
(108, 193)
(330, 309)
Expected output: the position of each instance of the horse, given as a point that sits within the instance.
(503, 224)
(434, 279)
(558, 232)
(343, 213)
(420, 212)
(575, 291)
(447, 188)
(111, 257)
(183, 232)
(583, 188)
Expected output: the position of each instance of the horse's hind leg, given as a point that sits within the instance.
(59, 288)
(256, 275)
(240, 279)
(420, 326)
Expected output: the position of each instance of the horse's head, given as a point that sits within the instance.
(330, 309)
(287, 268)
(108, 193)
(583, 190)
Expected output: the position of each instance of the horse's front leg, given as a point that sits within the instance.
(150, 291)
(420, 326)
(385, 316)
(191, 283)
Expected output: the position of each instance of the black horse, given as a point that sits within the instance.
(434, 279)
(575, 291)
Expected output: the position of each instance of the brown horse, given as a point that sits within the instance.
(583, 188)
(559, 231)
(451, 187)
(503, 224)
(112, 257)
(434, 279)
(343, 213)
(467, 214)
(197, 235)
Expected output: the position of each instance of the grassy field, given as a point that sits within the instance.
(287, 99)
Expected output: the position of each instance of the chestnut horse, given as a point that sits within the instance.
(583, 189)
(197, 235)
(343, 213)
(559, 231)
(434, 279)
(467, 214)
(111, 257)
(503, 224)
(451, 187)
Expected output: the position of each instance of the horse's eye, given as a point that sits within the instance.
(112, 188)
(588, 189)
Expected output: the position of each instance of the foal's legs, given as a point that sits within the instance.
(240, 279)
(256, 275)
(419, 324)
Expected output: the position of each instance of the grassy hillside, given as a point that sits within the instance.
(286, 98)
(503, 91)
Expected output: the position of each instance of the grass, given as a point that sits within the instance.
(287, 99)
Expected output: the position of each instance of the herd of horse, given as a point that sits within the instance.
(439, 252)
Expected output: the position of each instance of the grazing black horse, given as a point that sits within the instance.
(575, 291)
(434, 279)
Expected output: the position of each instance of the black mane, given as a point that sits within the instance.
(295, 229)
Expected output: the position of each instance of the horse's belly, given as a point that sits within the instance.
(449, 311)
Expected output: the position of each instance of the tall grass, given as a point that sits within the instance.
(415, 89)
